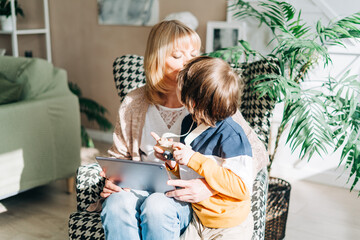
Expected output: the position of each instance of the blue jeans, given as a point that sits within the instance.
(143, 215)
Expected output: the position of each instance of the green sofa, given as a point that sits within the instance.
(39, 125)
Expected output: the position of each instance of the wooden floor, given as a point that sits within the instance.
(322, 212)
(40, 213)
(317, 212)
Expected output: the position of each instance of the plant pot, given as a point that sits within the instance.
(277, 208)
(6, 23)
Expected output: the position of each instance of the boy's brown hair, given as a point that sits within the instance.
(209, 89)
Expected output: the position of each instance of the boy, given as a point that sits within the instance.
(216, 149)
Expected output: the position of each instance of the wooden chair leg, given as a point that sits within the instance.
(70, 184)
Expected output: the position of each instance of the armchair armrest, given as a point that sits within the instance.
(258, 203)
(89, 185)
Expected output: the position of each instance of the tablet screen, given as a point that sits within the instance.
(148, 176)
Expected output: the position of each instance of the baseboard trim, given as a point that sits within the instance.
(100, 135)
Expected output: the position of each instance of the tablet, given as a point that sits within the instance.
(148, 176)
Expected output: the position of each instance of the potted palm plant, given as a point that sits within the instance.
(323, 120)
(5, 13)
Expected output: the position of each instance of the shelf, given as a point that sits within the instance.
(15, 32)
(26, 31)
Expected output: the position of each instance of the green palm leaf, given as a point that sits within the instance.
(308, 129)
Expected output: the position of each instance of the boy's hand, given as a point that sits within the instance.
(158, 151)
(182, 153)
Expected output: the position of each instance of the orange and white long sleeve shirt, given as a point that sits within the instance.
(224, 158)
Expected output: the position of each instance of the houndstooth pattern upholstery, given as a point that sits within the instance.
(258, 204)
(88, 185)
(129, 74)
(257, 110)
(85, 226)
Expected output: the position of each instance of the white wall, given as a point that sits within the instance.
(343, 8)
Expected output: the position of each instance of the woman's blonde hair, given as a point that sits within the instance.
(209, 89)
(163, 39)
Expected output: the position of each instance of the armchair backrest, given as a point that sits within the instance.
(257, 110)
(129, 74)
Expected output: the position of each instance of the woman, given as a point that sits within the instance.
(155, 108)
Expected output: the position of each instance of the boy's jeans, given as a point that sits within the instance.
(143, 215)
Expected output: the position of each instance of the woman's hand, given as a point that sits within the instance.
(192, 191)
(110, 187)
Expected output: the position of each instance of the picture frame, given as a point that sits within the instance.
(223, 34)
(128, 12)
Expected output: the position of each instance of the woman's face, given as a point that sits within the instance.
(177, 59)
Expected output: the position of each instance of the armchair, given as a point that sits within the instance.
(129, 74)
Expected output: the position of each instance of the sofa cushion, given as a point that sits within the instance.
(39, 77)
(10, 67)
(43, 79)
(9, 91)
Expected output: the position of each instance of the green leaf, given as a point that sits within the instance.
(245, 45)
